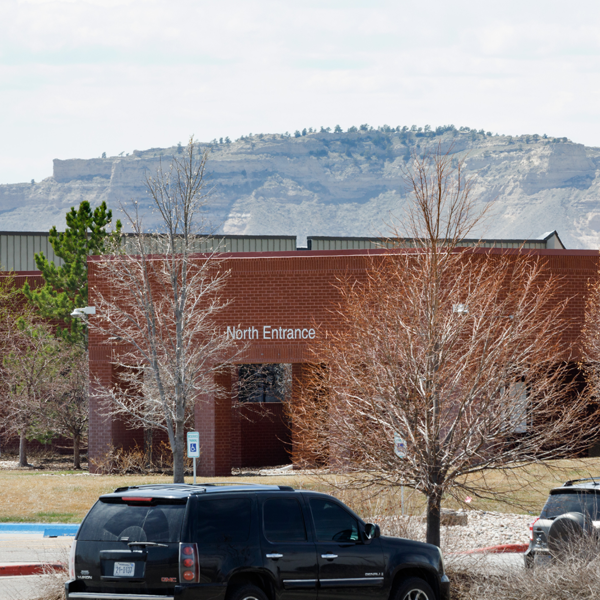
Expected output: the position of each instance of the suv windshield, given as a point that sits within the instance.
(572, 501)
(109, 521)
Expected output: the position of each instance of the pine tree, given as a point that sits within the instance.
(66, 287)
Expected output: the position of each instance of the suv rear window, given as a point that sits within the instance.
(574, 501)
(110, 521)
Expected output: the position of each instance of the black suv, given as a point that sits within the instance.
(243, 542)
(571, 514)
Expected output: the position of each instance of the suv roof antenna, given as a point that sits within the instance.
(572, 481)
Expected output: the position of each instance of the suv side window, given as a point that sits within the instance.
(226, 520)
(283, 520)
(332, 522)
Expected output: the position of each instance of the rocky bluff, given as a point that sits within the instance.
(348, 184)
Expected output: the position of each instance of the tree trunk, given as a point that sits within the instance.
(148, 436)
(434, 503)
(178, 454)
(76, 452)
(23, 450)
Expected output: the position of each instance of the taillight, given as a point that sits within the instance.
(72, 560)
(531, 528)
(189, 569)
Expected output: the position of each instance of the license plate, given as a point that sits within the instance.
(124, 569)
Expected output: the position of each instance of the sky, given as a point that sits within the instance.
(83, 77)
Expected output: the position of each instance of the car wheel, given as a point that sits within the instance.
(247, 592)
(529, 560)
(414, 589)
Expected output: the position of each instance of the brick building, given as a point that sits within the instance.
(295, 290)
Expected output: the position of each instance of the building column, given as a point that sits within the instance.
(300, 372)
(100, 434)
(212, 418)
(236, 423)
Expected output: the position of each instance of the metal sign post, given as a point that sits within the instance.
(193, 448)
(400, 451)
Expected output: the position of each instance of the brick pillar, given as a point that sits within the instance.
(100, 426)
(236, 425)
(299, 375)
(212, 417)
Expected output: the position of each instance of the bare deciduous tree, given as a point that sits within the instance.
(161, 309)
(29, 369)
(65, 409)
(455, 351)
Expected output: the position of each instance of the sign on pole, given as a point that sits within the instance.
(399, 446)
(193, 444)
(193, 448)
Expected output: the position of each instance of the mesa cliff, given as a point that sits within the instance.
(349, 184)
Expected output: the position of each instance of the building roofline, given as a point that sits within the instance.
(370, 252)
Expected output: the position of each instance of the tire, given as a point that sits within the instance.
(570, 535)
(247, 592)
(414, 589)
(529, 560)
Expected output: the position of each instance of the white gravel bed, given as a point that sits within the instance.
(483, 529)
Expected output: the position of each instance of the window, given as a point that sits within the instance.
(515, 405)
(332, 522)
(264, 383)
(284, 521)
(110, 521)
(222, 521)
(581, 502)
(518, 394)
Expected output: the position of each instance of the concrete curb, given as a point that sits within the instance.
(10, 570)
(501, 549)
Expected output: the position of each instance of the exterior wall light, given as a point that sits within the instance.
(80, 313)
(461, 309)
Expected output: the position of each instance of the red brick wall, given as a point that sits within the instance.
(295, 290)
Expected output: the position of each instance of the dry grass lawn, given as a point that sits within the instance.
(30, 496)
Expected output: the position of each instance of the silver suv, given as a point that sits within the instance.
(570, 516)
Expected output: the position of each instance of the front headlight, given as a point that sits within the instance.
(442, 571)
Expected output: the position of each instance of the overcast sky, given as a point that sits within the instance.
(82, 77)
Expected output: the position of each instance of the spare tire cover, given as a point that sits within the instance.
(567, 531)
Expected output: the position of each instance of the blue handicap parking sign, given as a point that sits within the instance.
(193, 444)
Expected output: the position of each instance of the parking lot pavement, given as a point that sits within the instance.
(22, 588)
(33, 548)
(488, 563)
(24, 548)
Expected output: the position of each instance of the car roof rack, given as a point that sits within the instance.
(201, 487)
(569, 483)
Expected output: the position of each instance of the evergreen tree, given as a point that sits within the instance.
(338, 129)
(66, 287)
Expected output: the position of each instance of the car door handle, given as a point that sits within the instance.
(329, 556)
(274, 556)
